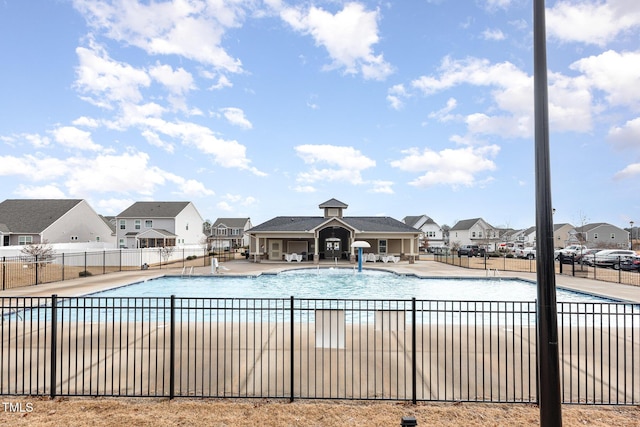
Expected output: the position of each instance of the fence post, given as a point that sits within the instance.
(120, 261)
(172, 348)
(104, 261)
(414, 364)
(37, 270)
(85, 262)
(54, 335)
(63, 266)
(4, 271)
(291, 357)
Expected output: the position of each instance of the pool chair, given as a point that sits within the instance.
(371, 257)
(395, 259)
(296, 257)
(288, 257)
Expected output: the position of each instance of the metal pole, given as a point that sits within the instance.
(547, 331)
(359, 260)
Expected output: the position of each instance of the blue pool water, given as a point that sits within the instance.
(340, 284)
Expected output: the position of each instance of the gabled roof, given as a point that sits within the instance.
(333, 203)
(33, 216)
(465, 224)
(153, 210)
(231, 222)
(593, 226)
(381, 224)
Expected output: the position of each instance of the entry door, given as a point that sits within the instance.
(275, 250)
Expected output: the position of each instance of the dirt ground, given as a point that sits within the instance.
(204, 412)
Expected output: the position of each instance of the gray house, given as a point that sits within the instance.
(229, 233)
(159, 224)
(475, 231)
(432, 234)
(602, 235)
(32, 221)
(331, 235)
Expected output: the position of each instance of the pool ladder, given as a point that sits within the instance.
(187, 273)
(496, 272)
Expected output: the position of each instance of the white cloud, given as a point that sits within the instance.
(236, 117)
(381, 187)
(193, 29)
(626, 136)
(105, 81)
(396, 95)
(511, 115)
(443, 115)
(224, 206)
(344, 163)
(193, 188)
(177, 81)
(154, 139)
(348, 36)
(112, 206)
(304, 189)
(614, 73)
(592, 22)
(493, 34)
(50, 191)
(454, 167)
(33, 167)
(631, 171)
(74, 138)
(86, 122)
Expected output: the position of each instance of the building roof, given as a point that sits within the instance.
(153, 210)
(333, 203)
(231, 222)
(382, 224)
(465, 224)
(33, 216)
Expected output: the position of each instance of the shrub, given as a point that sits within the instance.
(85, 273)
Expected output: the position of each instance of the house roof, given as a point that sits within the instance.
(465, 224)
(231, 222)
(153, 210)
(33, 216)
(360, 223)
(333, 203)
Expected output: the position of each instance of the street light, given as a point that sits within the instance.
(631, 234)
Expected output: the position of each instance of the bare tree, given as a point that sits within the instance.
(166, 253)
(40, 252)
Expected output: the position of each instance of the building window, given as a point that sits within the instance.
(148, 223)
(473, 234)
(613, 235)
(121, 243)
(382, 246)
(187, 226)
(25, 240)
(97, 238)
(74, 238)
(123, 224)
(595, 235)
(137, 224)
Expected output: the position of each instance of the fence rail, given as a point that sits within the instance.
(613, 275)
(22, 271)
(404, 350)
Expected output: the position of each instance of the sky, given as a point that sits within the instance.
(252, 108)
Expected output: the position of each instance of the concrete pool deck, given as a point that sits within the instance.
(427, 268)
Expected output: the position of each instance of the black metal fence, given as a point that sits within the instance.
(405, 350)
(32, 270)
(613, 273)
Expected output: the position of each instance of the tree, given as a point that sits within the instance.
(41, 252)
(206, 227)
(166, 253)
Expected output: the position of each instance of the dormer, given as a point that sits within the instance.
(333, 208)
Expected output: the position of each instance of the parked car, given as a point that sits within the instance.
(630, 264)
(580, 257)
(470, 250)
(569, 250)
(608, 257)
(528, 253)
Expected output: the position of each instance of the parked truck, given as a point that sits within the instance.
(528, 253)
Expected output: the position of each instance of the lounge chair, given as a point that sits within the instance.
(295, 256)
(371, 257)
(288, 257)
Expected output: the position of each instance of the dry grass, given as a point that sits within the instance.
(204, 412)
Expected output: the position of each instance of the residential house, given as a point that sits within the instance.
(432, 234)
(229, 233)
(331, 235)
(602, 235)
(475, 231)
(32, 221)
(564, 235)
(159, 224)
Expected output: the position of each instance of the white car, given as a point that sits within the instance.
(569, 250)
(608, 257)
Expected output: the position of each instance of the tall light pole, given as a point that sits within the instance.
(549, 397)
(631, 234)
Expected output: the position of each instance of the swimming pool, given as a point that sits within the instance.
(341, 283)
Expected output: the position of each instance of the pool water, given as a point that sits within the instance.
(341, 283)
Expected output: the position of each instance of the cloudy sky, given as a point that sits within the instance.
(265, 108)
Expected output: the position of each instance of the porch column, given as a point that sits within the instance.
(316, 254)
